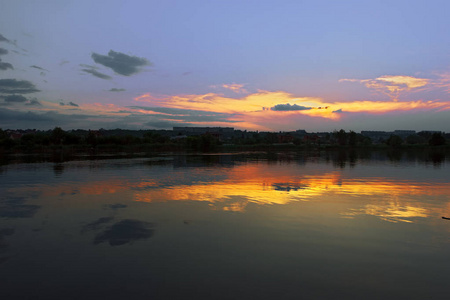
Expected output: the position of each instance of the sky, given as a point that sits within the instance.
(261, 65)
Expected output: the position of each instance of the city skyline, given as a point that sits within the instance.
(250, 65)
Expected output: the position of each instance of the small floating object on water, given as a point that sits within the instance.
(445, 218)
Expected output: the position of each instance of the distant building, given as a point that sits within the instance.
(404, 133)
(301, 132)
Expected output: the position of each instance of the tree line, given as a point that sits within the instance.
(32, 139)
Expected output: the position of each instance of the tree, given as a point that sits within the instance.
(352, 138)
(437, 139)
(415, 139)
(57, 136)
(394, 141)
(341, 137)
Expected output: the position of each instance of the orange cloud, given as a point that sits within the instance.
(443, 81)
(253, 110)
(235, 87)
(392, 86)
(261, 110)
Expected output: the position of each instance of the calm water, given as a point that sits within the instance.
(280, 226)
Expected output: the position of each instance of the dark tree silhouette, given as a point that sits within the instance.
(437, 139)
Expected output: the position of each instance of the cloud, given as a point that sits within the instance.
(121, 63)
(15, 99)
(73, 104)
(97, 74)
(39, 68)
(392, 86)
(8, 116)
(443, 81)
(176, 115)
(33, 102)
(288, 107)
(403, 81)
(3, 39)
(89, 66)
(47, 120)
(235, 87)
(5, 66)
(166, 124)
(263, 111)
(116, 90)
(14, 86)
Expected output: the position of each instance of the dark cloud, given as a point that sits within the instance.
(288, 107)
(33, 102)
(14, 86)
(70, 103)
(97, 74)
(39, 68)
(20, 119)
(15, 98)
(338, 111)
(181, 111)
(116, 90)
(63, 62)
(89, 66)
(5, 66)
(12, 116)
(3, 39)
(120, 63)
(8, 116)
(177, 115)
(165, 124)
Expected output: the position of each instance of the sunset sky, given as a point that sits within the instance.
(261, 65)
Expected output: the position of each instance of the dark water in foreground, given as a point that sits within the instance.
(225, 227)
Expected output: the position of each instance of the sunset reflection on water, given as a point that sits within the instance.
(249, 227)
(234, 188)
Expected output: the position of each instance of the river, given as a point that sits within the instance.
(226, 226)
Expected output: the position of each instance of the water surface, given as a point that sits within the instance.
(279, 226)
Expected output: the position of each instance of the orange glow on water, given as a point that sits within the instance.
(273, 184)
